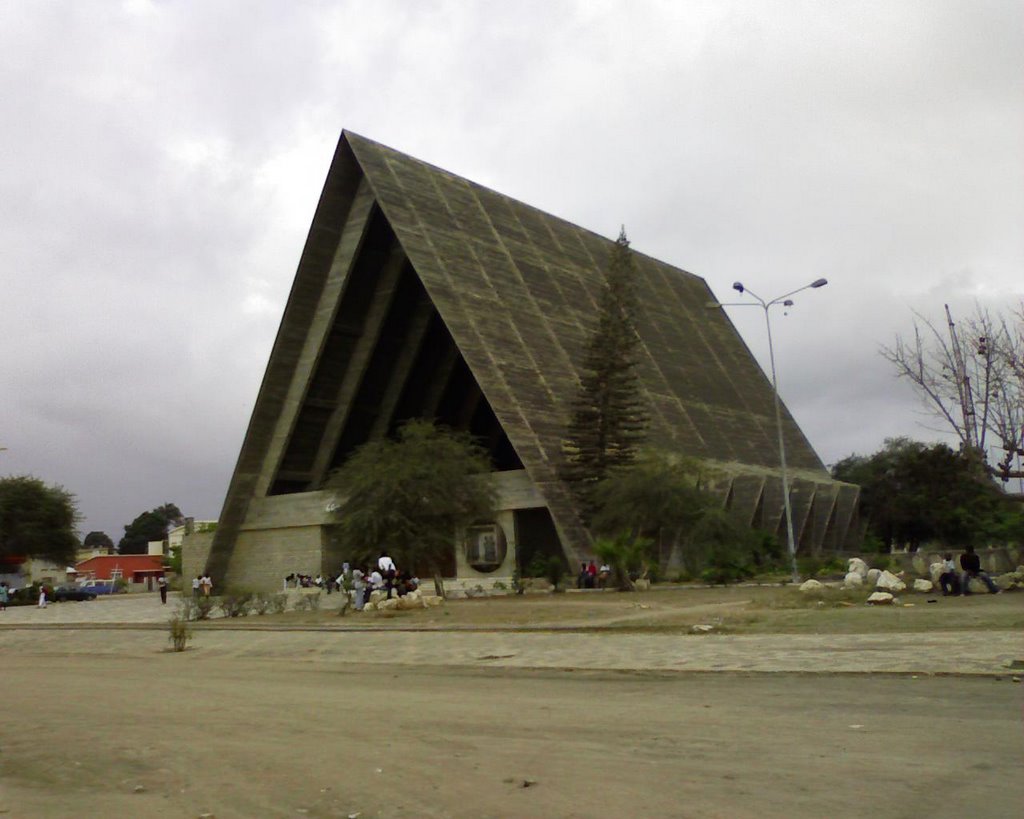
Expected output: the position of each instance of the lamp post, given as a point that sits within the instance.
(785, 301)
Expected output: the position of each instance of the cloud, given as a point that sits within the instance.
(162, 161)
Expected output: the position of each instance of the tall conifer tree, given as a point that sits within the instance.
(609, 416)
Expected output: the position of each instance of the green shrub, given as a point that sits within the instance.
(883, 563)
(538, 566)
(821, 566)
(625, 555)
(554, 571)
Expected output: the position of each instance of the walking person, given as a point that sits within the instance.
(197, 581)
(161, 581)
(42, 597)
(5, 595)
(207, 584)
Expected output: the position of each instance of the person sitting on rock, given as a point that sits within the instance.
(376, 583)
(949, 580)
(971, 564)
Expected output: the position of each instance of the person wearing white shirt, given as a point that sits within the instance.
(385, 564)
(358, 588)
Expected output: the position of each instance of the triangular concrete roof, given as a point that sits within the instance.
(517, 290)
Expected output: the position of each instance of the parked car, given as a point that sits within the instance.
(62, 593)
(98, 586)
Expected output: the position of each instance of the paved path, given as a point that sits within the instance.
(949, 652)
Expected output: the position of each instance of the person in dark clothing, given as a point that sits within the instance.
(971, 564)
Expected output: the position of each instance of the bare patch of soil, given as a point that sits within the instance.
(167, 735)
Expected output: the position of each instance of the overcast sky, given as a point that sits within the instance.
(160, 163)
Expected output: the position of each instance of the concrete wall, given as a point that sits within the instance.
(994, 560)
(262, 558)
(282, 534)
(195, 549)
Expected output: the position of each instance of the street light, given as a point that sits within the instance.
(785, 301)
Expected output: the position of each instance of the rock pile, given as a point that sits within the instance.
(1011, 580)
(413, 600)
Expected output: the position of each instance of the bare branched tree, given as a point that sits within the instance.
(971, 376)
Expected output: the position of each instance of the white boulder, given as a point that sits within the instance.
(935, 572)
(431, 600)
(377, 595)
(1010, 580)
(388, 605)
(880, 599)
(873, 575)
(853, 580)
(890, 582)
(855, 564)
(370, 607)
(811, 585)
(922, 585)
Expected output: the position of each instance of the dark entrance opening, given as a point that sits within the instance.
(536, 540)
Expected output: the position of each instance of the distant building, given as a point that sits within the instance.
(420, 294)
(177, 534)
(19, 572)
(139, 571)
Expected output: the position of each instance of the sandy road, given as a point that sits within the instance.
(291, 723)
(182, 735)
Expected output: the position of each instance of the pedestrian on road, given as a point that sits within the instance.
(162, 583)
(5, 596)
(207, 583)
(42, 597)
(196, 583)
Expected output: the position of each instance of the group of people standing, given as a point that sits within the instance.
(385, 576)
(202, 585)
(360, 580)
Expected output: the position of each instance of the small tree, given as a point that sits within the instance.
(609, 416)
(626, 555)
(99, 540)
(413, 494)
(148, 526)
(658, 496)
(37, 520)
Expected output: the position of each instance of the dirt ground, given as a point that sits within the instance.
(146, 733)
(575, 705)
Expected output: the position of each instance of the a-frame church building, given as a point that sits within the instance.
(420, 294)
